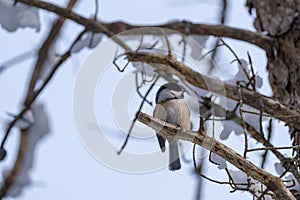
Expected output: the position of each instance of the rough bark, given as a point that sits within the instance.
(280, 19)
(273, 183)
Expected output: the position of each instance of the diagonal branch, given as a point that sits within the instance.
(136, 116)
(258, 101)
(272, 182)
(89, 24)
(184, 27)
(43, 52)
(10, 178)
(258, 136)
(63, 58)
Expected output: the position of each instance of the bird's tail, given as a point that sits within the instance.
(174, 158)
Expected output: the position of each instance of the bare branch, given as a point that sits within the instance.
(189, 28)
(64, 57)
(183, 42)
(258, 136)
(264, 156)
(136, 115)
(15, 60)
(43, 52)
(184, 27)
(167, 42)
(138, 86)
(271, 148)
(243, 121)
(272, 182)
(222, 21)
(258, 101)
(198, 170)
(9, 179)
(96, 9)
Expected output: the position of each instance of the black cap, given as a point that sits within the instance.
(170, 86)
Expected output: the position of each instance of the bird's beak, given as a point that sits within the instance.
(182, 93)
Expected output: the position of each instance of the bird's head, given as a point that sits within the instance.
(168, 92)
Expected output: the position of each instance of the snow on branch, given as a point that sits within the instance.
(17, 16)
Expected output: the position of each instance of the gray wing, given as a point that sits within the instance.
(160, 113)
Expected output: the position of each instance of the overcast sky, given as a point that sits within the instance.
(63, 168)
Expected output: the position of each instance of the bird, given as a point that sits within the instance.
(172, 108)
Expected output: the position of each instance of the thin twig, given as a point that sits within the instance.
(232, 51)
(183, 41)
(240, 63)
(271, 148)
(264, 156)
(262, 196)
(235, 186)
(243, 121)
(168, 130)
(138, 89)
(96, 9)
(170, 54)
(10, 178)
(253, 78)
(136, 115)
(231, 115)
(267, 115)
(202, 175)
(116, 64)
(222, 21)
(198, 170)
(124, 54)
(211, 51)
(95, 19)
(43, 52)
(65, 56)
(15, 60)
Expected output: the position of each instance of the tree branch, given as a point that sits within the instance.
(10, 178)
(258, 136)
(43, 52)
(89, 24)
(63, 58)
(251, 98)
(272, 182)
(184, 27)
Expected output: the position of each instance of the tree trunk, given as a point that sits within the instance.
(280, 20)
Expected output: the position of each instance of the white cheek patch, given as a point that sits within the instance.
(177, 93)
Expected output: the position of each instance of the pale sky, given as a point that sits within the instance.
(63, 168)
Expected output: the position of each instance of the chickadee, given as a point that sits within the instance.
(171, 107)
